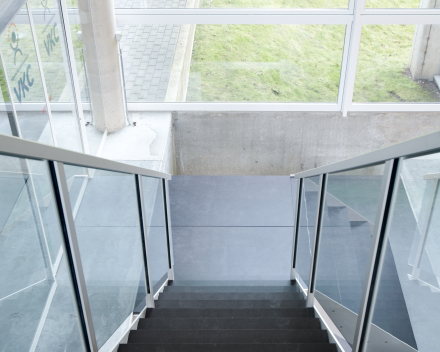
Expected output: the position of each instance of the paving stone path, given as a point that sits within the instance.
(154, 4)
(148, 52)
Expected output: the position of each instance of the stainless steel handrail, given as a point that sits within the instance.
(14, 146)
(413, 147)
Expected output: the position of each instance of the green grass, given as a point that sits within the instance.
(392, 4)
(274, 4)
(300, 63)
(382, 66)
(281, 63)
(323, 4)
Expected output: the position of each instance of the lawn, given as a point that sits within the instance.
(382, 70)
(323, 4)
(302, 63)
(263, 63)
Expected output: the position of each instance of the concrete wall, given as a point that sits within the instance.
(280, 143)
(424, 61)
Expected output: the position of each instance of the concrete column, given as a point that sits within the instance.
(101, 53)
(424, 62)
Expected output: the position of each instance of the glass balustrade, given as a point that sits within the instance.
(405, 313)
(351, 204)
(156, 230)
(306, 235)
(37, 303)
(107, 228)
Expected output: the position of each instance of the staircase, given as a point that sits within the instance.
(219, 316)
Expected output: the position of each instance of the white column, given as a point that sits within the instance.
(98, 26)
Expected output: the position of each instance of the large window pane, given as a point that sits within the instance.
(231, 4)
(156, 231)
(398, 4)
(306, 235)
(232, 63)
(37, 307)
(397, 63)
(408, 301)
(349, 214)
(5, 101)
(20, 61)
(107, 226)
(53, 55)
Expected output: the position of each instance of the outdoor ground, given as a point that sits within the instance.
(306, 3)
(301, 63)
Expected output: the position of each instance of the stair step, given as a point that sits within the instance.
(228, 336)
(233, 283)
(293, 288)
(226, 347)
(229, 296)
(229, 313)
(228, 323)
(230, 304)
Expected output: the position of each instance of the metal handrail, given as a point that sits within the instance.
(14, 146)
(425, 144)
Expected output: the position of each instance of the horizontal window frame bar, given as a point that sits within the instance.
(182, 19)
(22, 148)
(159, 17)
(394, 107)
(39, 106)
(387, 19)
(237, 106)
(400, 12)
(426, 144)
(257, 106)
(272, 12)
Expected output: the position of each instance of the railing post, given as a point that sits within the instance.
(144, 240)
(318, 229)
(166, 204)
(297, 225)
(76, 90)
(424, 233)
(388, 195)
(71, 248)
(40, 67)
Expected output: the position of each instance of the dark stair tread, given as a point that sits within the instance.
(225, 347)
(293, 288)
(235, 304)
(228, 336)
(228, 313)
(234, 283)
(228, 323)
(228, 296)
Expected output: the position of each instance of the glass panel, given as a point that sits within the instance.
(231, 4)
(397, 63)
(408, 300)
(37, 306)
(53, 55)
(349, 215)
(397, 4)
(157, 236)
(232, 63)
(5, 101)
(306, 235)
(107, 226)
(20, 60)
